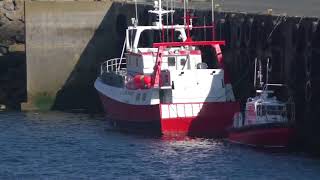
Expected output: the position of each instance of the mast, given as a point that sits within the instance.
(160, 14)
(212, 17)
(159, 11)
(172, 30)
(267, 71)
(136, 8)
(184, 12)
(255, 72)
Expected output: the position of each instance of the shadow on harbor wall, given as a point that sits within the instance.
(78, 92)
(292, 44)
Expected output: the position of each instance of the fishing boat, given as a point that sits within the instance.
(266, 122)
(166, 87)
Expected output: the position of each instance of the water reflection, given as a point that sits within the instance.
(77, 146)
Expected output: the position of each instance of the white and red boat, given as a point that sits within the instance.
(166, 87)
(266, 122)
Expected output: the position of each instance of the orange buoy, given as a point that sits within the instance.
(142, 81)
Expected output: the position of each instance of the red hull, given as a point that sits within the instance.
(212, 121)
(132, 118)
(119, 111)
(267, 137)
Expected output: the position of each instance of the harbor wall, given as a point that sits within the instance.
(293, 46)
(67, 41)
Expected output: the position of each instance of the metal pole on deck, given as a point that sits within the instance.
(255, 73)
(172, 30)
(184, 12)
(212, 16)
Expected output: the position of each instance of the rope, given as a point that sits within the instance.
(122, 52)
(248, 36)
(300, 20)
(236, 84)
(279, 21)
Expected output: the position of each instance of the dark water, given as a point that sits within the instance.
(76, 146)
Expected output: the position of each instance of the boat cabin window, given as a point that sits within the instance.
(148, 37)
(263, 110)
(276, 110)
(183, 61)
(131, 33)
(171, 61)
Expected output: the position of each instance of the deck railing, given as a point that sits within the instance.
(113, 65)
(273, 115)
(180, 110)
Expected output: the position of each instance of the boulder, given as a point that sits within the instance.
(3, 50)
(10, 29)
(8, 5)
(3, 19)
(19, 38)
(19, 4)
(17, 48)
(13, 15)
(2, 107)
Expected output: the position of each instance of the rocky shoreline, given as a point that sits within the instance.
(11, 25)
(12, 54)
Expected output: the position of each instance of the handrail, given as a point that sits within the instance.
(269, 113)
(180, 110)
(112, 65)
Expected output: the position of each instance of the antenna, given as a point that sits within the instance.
(260, 74)
(255, 72)
(167, 19)
(204, 29)
(136, 6)
(267, 71)
(187, 18)
(172, 30)
(184, 12)
(159, 11)
(212, 17)
(160, 15)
